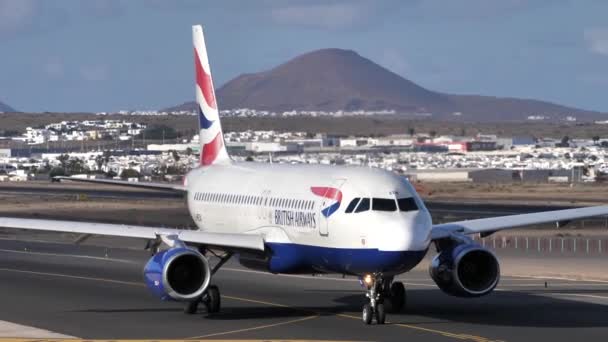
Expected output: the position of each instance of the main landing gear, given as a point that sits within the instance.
(211, 298)
(384, 296)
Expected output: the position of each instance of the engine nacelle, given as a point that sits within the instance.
(466, 270)
(179, 274)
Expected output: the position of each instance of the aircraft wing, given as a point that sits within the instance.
(219, 240)
(492, 224)
(144, 185)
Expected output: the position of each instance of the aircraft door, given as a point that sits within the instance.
(264, 213)
(330, 199)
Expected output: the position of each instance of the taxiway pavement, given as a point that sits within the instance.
(97, 293)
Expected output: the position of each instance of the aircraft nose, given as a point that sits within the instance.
(410, 233)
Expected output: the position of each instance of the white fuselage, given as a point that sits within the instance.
(278, 202)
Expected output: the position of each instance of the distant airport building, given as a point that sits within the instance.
(497, 175)
(5, 152)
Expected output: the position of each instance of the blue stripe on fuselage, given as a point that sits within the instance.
(296, 258)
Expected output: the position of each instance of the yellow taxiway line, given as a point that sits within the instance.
(448, 334)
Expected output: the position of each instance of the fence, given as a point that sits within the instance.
(558, 245)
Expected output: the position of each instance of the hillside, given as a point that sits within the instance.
(335, 79)
(4, 108)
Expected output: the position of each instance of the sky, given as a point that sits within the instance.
(109, 55)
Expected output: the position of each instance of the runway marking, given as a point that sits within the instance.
(260, 302)
(9, 329)
(77, 256)
(577, 295)
(142, 340)
(440, 332)
(314, 277)
(550, 285)
(74, 277)
(582, 280)
(258, 327)
(465, 337)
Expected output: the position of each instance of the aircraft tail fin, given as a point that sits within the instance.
(213, 148)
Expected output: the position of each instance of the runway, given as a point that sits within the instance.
(97, 293)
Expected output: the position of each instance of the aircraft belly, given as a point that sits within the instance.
(297, 258)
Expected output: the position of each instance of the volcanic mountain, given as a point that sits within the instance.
(4, 108)
(336, 79)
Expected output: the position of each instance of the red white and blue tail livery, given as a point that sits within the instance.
(282, 218)
(213, 149)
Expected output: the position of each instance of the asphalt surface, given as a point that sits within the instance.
(97, 293)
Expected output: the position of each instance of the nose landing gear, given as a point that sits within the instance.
(384, 296)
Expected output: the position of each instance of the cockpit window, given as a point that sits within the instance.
(407, 204)
(363, 205)
(351, 206)
(384, 204)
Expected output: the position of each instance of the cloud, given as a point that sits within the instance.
(321, 16)
(101, 8)
(335, 15)
(15, 15)
(34, 16)
(54, 69)
(477, 10)
(94, 72)
(597, 40)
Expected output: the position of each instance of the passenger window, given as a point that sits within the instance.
(384, 204)
(351, 206)
(407, 204)
(363, 205)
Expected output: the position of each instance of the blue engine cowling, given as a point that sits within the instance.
(466, 270)
(179, 274)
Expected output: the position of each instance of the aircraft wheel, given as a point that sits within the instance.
(191, 307)
(367, 314)
(397, 296)
(380, 314)
(213, 299)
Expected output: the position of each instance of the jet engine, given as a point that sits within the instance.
(179, 274)
(466, 270)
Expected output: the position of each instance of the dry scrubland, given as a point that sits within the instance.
(550, 194)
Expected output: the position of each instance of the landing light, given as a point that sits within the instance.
(368, 280)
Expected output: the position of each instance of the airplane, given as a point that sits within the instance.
(302, 219)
